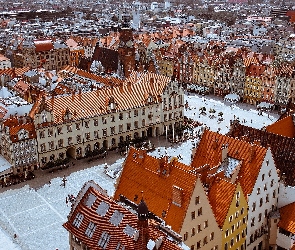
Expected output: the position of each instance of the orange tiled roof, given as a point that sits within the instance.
(287, 218)
(105, 222)
(220, 197)
(129, 94)
(142, 172)
(209, 152)
(284, 127)
(15, 126)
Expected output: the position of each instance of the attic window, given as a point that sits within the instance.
(90, 229)
(90, 200)
(130, 231)
(78, 220)
(104, 240)
(116, 218)
(102, 208)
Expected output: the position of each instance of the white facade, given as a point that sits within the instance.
(4, 62)
(262, 200)
(287, 195)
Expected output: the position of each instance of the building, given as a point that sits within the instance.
(5, 63)
(98, 222)
(79, 124)
(250, 165)
(174, 193)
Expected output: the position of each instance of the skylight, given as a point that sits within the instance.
(90, 200)
(130, 231)
(102, 208)
(116, 218)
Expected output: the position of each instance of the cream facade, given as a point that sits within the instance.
(200, 229)
(69, 136)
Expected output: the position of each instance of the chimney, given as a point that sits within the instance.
(177, 195)
(224, 152)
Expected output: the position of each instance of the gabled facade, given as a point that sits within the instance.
(220, 156)
(231, 210)
(174, 193)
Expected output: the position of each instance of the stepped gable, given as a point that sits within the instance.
(284, 127)
(160, 181)
(287, 218)
(220, 197)
(282, 147)
(128, 95)
(208, 156)
(113, 225)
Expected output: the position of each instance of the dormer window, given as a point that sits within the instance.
(112, 104)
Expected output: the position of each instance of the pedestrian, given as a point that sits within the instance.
(49, 182)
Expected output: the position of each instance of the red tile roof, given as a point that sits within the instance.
(105, 222)
(220, 196)
(287, 218)
(128, 95)
(284, 127)
(208, 153)
(157, 178)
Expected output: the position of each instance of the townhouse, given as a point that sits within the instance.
(175, 193)
(251, 165)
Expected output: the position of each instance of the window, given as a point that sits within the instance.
(258, 190)
(269, 173)
(253, 222)
(78, 126)
(197, 200)
(86, 124)
(200, 211)
(60, 142)
(185, 236)
(95, 134)
(192, 247)
(226, 246)
(206, 224)
(226, 233)
(143, 111)
(232, 242)
(259, 217)
(113, 130)
(199, 228)
(69, 128)
(120, 246)
(51, 145)
(128, 126)
(104, 240)
(238, 237)
(253, 206)
(199, 244)
(42, 134)
(78, 220)
(244, 220)
(43, 147)
(135, 113)
(193, 231)
(59, 130)
(50, 132)
(265, 187)
(261, 202)
(193, 214)
(238, 195)
(212, 236)
(112, 118)
(70, 140)
(87, 136)
(90, 229)
(104, 132)
(104, 120)
(274, 194)
(120, 128)
(136, 124)
(205, 241)
(231, 218)
(267, 198)
(237, 214)
(272, 182)
(121, 116)
(265, 213)
(263, 177)
(242, 210)
(238, 224)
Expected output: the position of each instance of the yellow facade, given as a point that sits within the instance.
(253, 90)
(166, 67)
(235, 224)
